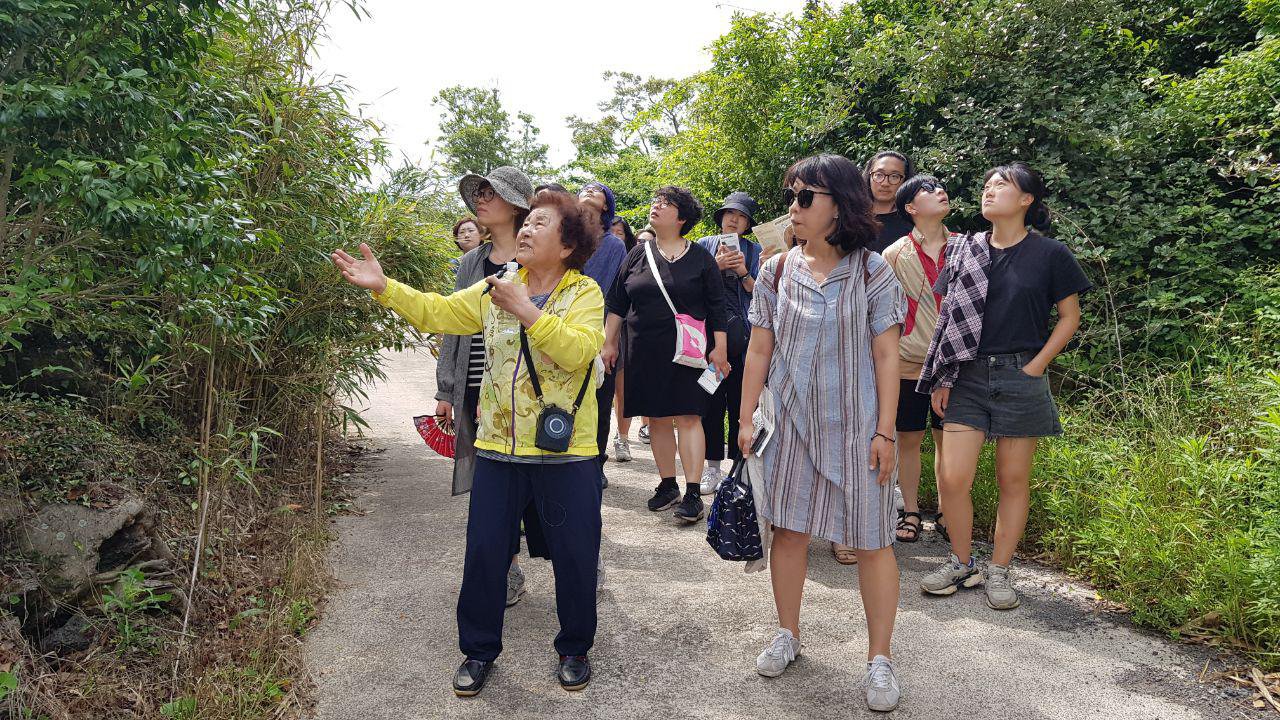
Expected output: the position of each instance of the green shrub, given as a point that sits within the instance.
(56, 450)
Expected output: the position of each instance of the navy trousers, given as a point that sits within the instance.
(568, 501)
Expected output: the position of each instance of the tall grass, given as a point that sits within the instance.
(1164, 491)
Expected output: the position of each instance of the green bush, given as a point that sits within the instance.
(54, 451)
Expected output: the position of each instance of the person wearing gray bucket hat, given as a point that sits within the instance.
(507, 182)
(500, 202)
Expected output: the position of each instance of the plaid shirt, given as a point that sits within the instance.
(963, 283)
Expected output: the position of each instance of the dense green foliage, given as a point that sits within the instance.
(1156, 125)
(1123, 106)
(172, 180)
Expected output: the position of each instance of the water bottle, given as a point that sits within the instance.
(510, 273)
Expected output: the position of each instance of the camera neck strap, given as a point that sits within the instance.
(533, 373)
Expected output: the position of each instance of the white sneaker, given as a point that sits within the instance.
(780, 653)
(621, 449)
(883, 692)
(711, 479)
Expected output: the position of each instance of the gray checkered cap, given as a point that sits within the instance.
(510, 184)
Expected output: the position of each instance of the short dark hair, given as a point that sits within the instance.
(578, 224)
(908, 167)
(628, 237)
(464, 221)
(688, 209)
(550, 186)
(907, 192)
(1029, 180)
(857, 226)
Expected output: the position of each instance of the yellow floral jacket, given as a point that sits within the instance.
(564, 343)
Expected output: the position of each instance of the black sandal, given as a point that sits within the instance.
(913, 527)
(942, 529)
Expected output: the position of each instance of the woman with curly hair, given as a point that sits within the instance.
(542, 332)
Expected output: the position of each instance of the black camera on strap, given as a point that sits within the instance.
(555, 425)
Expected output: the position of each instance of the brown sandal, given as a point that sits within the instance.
(844, 555)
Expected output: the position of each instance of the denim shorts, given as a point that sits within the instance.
(992, 394)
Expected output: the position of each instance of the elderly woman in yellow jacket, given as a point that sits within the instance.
(536, 439)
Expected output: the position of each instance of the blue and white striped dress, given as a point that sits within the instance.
(823, 382)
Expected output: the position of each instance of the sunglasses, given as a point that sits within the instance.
(930, 186)
(805, 196)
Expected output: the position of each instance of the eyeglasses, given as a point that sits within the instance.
(929, 186)
(588, 190)
(891, 178)
(660, 202)
(484, 193)
(805, 196)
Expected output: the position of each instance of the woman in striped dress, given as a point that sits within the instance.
(825, 320)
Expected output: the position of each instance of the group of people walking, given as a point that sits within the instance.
(874, 326)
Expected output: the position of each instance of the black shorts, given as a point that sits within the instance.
(914, 409)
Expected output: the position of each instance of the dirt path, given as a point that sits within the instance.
(680, 629)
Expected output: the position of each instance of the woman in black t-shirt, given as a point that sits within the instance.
(1002, 393)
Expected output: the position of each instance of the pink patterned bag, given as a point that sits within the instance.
(691, 333)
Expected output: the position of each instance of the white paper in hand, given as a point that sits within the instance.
(710, 379)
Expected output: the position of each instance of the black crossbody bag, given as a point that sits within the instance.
(555, 425)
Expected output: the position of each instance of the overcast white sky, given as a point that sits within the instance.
(545, 58)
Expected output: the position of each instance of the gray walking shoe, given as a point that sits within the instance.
(951, 576)
(515, 584)
(1000, 592)
(781, 651)
(883, 692)
(621, 449)
(712, 476)
(599, 577)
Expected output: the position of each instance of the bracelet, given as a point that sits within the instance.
(886, 437)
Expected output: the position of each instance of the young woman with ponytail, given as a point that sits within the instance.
(985, 367)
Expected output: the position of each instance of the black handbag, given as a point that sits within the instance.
(733, 530)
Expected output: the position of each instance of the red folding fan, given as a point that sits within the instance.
(436, 437)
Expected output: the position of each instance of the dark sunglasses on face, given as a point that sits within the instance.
(930, 186)
(805, 196)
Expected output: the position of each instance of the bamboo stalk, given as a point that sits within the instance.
(206, 429)
(319, 483)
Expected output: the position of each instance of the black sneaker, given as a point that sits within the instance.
(469, 680)
(574, 672)
(664, 497)
(691, 509)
